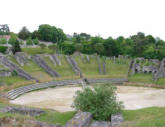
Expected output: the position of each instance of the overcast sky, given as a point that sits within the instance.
(96, 17)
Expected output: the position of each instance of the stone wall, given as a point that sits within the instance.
(21, 58)
(21, 90)
(13, 67)
(73, 64)
(39, 61)
(22, 110)
(5, 73)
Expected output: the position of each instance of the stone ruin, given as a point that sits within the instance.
(73, 64)
(22, 110)
(14, 68)
(137, 68)
(21, 58)
(101, 67)
(55, 60)
(84, 119)
(161, 71)
(5, 73)
(39, 61)
(85, 58)
(14, 122)
(116, 119)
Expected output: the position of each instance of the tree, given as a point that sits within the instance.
(78, 47)
(13, 39)
(35, 34)
(139, 44)
(101, 101)
(35, 41)
(16, 47)
(110, 47)
(85, 36)
(51, 33)
(29, 41)
(24, 33)
(45, 32)
(99, 48)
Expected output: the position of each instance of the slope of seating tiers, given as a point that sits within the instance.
(21, 90)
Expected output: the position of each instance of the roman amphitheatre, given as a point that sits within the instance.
(42, 82)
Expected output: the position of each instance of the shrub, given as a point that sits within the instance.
(16, 47)
(3, 49)
(100, 101)
(42, 46)
(35, 41)
(29, 41)
(53, 47)
(12, 39)
(3, 41)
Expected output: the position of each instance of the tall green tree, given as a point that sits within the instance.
(16, 47)
(24, 33)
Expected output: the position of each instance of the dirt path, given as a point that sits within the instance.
(61, 98)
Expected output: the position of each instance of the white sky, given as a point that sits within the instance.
(103, 17)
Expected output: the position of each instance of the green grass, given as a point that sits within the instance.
(50, 116)
(64, 70)
(12, 79)
(33, 51)
(147, 117)
(112, 69)
(53, 117)
(146, 78)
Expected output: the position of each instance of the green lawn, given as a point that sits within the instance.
(53, 117)
(146, 78)
(147, 117)
(112, 69)
(64, 70)
(33, 51)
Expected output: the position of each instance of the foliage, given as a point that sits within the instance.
(13, 39)
(53, 47)
(29, 41)
(99, 48)
(79, 47)
(67, 48)
(51, 33)
(3, 49)
(42, 46)
(3, 41)
(100, 101)
(35, 41)
(24, 33)
(16, 47)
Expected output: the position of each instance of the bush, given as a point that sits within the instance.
(16, 47)
(3, 41)
(12, 39)
(35, 41)
(100, 101)
(53, 47)
(29, 41)
(42, 46)
(3, 49)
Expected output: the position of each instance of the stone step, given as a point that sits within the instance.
(100, 124)
(81, 119)
(19, 91)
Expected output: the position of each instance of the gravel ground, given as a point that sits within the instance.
(61, 98)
